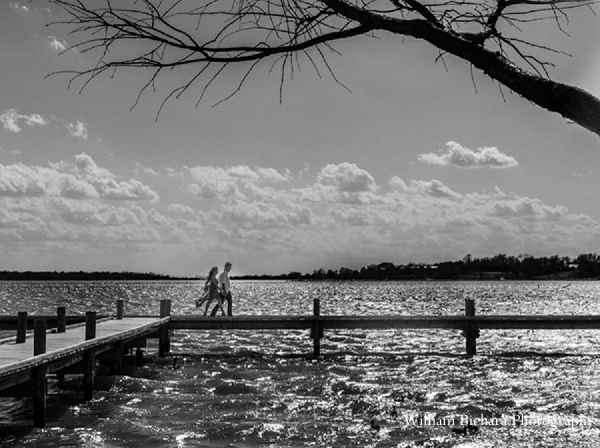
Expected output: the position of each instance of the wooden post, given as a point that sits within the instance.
(139, 357)
(164, 343)
(471, 331)
(21, 327)
(61, 319)
(89, 364)
(120, 308)
(90, 325)
(316, 332)
(39, 336)
(39, 396)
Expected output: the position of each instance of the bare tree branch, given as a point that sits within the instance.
(217, 34)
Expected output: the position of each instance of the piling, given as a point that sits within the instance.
(39, 375)
(164, 342)
(40, 389)
(89, 358)
(316, 332)
(471, 331)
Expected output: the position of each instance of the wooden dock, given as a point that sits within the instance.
(78, 348)
(68, 349)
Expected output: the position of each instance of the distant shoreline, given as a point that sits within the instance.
(7, 276)
(83, 276)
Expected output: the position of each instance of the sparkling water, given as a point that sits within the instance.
(371, 388)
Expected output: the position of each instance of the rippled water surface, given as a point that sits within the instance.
(386, 388)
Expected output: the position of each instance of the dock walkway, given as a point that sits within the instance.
(74, 350)
(63, 349)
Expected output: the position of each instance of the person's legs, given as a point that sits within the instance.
(218, 305)
(208, 302)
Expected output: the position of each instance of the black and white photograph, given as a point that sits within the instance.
(300, 223)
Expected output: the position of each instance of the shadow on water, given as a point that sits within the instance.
(335, 355)
(541, 354)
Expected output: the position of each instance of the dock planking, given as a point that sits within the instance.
(70, 349)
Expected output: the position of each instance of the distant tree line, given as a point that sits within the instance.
(522, 267)
(79, 276)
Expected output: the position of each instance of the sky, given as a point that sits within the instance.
(416, 161)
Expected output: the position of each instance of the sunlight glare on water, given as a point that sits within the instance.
(383, 388)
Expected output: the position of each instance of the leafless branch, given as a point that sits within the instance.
(215, 35)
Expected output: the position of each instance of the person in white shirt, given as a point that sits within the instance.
(224, 287)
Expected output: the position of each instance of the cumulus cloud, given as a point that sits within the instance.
(78, 130)
(82, 179)
(347, 177)
(227, 183)
(12, 120)
(267, 218)
(461, 157)
(433, 188)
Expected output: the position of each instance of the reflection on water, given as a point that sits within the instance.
(383, 388)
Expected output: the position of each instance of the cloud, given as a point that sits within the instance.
(82, 179)
(272, 222)
(144, 169)
(347, 177)
(180, 208)
(18, 7)
(78, 130)
(433, 188)
(461, 157)
(11, 120)
(57, 44)
(227, 183)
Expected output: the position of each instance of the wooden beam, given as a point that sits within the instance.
(523, 322)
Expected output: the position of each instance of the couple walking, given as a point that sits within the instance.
(219, 289)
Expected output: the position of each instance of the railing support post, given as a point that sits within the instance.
(471, 331)
(164, 342)
(21, 327)
(39, 337)
(90, 325)
(120, 308)
(316, 332)
(61, 319)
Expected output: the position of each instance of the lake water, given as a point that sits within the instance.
(386, 388)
